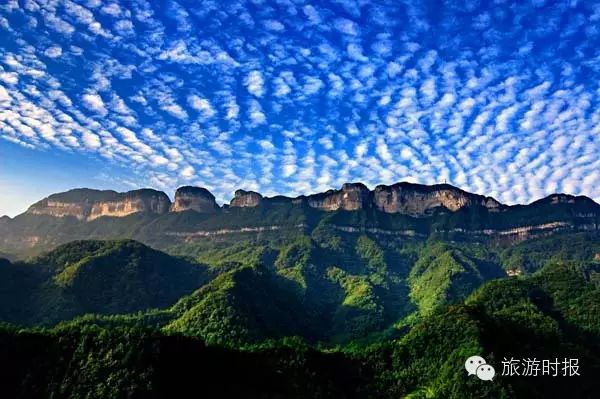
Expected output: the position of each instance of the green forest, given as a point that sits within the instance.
(326, 314)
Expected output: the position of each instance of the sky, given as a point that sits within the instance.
(293, 97)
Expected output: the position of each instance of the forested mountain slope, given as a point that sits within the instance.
(332, 287)
(553, 313)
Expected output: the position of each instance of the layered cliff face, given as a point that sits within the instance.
(401, 198)
(405, 198)
(196, 199)
(246, 199)
(417, 200)
(351, 197)
(86, 204)
(59, 208)
(489, 220)
(146, 200)
(76, 203)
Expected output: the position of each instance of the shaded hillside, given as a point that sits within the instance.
(331, 287)
(524, 318)
(104, 277)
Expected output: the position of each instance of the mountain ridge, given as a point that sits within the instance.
(403, 210)
(402, 197)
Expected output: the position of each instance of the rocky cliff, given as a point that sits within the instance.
(405, 198)
(245, 199)
(402, 198)
(87, 204)
(470, 216)
(197, 199)
(417, 199)
(351, 197)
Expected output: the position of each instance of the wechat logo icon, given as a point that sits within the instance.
(476, 365)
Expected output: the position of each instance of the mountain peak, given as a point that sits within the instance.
(561, 198)
(89, 204)
(354, 187)
(245, 199)
(194, 198)
(403, 197)
(418, 199)
(352, 196)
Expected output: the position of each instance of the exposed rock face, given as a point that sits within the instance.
(77, 203)
(60, 209)
(417, 199)
(86, 204)
(514, 272)
(546, 216)
(561, 199)
(145, 200)
(197, 199)
(246, 199)
(583, 206)
(406, 198)
(351, 197)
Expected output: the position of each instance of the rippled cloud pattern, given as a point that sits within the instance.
(286, 96)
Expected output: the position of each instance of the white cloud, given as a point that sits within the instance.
(233, 109)
(94, 102)
(187, 172)
(10, 78)
(312, 14)
(255, 83)
(346, 26)
(256, 113)
(53, 52)
(312, 85)
(317, 94)
(201, 105)
(361, 149)
(428, 89)
(355, 52)
(124, 26)
(91, 140)
(173, 154)
(4, 97)
(406, 153)
(274, 25)
(112, 9)
(281, 87)
(175, 110)
(383, 150)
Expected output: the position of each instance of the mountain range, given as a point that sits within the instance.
(392, 287)
(401, 209)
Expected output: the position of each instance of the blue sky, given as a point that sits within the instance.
(288, 96)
